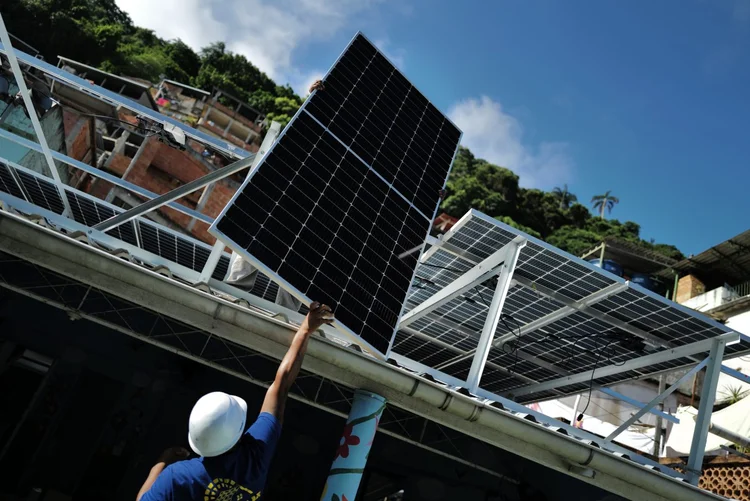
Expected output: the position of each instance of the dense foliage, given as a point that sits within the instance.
(98, 33)
(554, 216)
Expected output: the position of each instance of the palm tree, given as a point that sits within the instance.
(565, 197)
(606, 201)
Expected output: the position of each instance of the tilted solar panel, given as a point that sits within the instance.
(562, 316)
(352, 182)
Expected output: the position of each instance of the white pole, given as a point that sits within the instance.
(24, 91)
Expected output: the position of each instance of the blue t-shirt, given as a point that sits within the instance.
(236, 475)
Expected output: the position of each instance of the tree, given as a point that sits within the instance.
(476, 183)
(510, 222)
(606, 201)
(566, 198)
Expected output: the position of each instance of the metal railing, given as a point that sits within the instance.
(742, 289)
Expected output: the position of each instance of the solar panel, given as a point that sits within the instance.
(563, 316)
(351, 183)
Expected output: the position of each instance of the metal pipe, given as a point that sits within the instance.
(726, 434)
(658, 398)
(658, 430)
(173, 195)
(24, 91)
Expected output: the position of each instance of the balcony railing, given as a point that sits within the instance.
(742, 289)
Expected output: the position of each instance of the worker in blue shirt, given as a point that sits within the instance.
(232, 465)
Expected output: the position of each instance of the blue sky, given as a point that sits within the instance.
(648, 99)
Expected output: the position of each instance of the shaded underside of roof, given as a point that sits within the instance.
(727, 262)
(634, 257)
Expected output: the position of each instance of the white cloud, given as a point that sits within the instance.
(266, 31)
(494, 135)
(395, 54)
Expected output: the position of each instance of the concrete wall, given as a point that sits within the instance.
(711, 299)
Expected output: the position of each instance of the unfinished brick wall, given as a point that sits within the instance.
(159, 169)
(731, 480)
(688, 287)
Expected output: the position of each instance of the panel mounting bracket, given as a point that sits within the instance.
(480, 273)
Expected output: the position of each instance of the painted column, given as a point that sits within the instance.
(354, 447)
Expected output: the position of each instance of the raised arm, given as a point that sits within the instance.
(292, 362)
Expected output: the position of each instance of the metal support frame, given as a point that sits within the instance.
(477, 275)
(134, 188)
(26, 95)
(705, 409)
(175, 194)
(726, 434)
(117, 100)
(636, 363)
(218, 248)
(515, 407)
(445, 245)
(657, 399)
(660, 414)
(494, 312)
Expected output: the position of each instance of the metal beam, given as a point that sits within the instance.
(636, 363)
(650, 338)
(726, 434)
(26, 95)
(735, 374)
(134, 188)
(117, 100)
(175, 194)
(452, 348)
(705, 409)
(566, 311)
(658, 398)
(639, 405)
(480, 273)
(493, 313)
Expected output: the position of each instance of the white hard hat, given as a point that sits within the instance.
(216, 423)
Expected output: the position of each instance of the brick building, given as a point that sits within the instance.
(121, 147)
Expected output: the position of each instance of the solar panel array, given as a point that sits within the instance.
(546, 280)
(152, 237)
(352, 182)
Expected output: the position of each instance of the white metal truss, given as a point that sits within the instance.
(117, 100)
(703, 422)
(494, 312)
(31, 111)
(656, 400)
(93, 171)
(444, 244)
(636, 363)
(482, 272)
